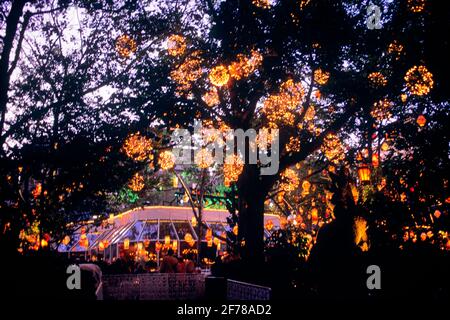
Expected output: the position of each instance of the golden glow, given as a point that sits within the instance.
(194, 222)
(125, 46)
(395, 48)
(203, 158)
(360, 231)
(269, 225)
(416, 5)
(187, 72)
(137, 147)
(419, 80)
(235, 230)
(37, 191)
(421, 120)
(244, 66)
(219, 76)
(314, 215)
(264, 4)
(293, 145)
(280, 109)
(333, 149)
(136, 183)
(289, 180)
(176, 45)
(166, 160)
(364, 173)
(211, 98)
(381, 110)
(377, 79)
(303, 3)
(232, 169)
(306, 186)
(321, 77)
(167, 240)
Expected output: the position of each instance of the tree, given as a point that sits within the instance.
(268, 65)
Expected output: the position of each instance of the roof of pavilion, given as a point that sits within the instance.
(151, 223)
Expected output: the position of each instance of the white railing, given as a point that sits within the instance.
(154, 286)
(237, 290)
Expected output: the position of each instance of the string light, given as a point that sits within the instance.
(219, 76)
(264, 4)
(381, 110)
(244, 66)
(232, 169)
(125, 46)
(211, 98)
(310, 113)
(419, 80)
(333, 148)
(289, 180)
(395, 48)
(293, 145)
(416, 5)
(188, 72)
(303, 3)
(204, 158)
(136, 183)
(166, 160)
(376, 79)
(37, 191)
(176, 45)
(137, 147)
(279, 109)
(321, 77)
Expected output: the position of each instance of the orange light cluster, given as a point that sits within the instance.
(289, 180)
(188, 72)
(321, 77)
(176, 45)
(333, 149)
(279, 109)
(377, 79)
(204, 158)
(303, 3)
(232, 169)
(166, 160)
(264, 4)
(293, 145)
(310, 113)
(37, 191)
(211, 98)
(416, 5)
(395, 48)
(264, 138)
(136, 183)
(244, 66)
(219, 76)
(125, 46)
(137, 147)
(381, 110)
(419, 80)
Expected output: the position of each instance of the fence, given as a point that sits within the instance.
(237, 290)
(175, 286)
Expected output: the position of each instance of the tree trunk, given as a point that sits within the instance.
(252, 191)
(12, 22)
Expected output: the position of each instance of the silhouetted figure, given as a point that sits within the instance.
(169, 263)
(335, 268)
